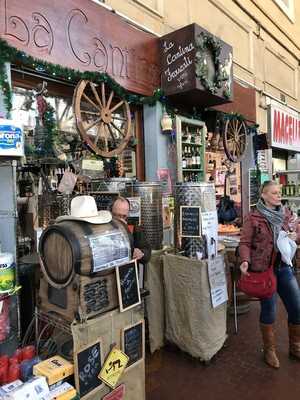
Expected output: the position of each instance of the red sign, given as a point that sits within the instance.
(117, 394)
(285, 127)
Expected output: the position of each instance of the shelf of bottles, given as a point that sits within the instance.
(190, 136)
(290, 190)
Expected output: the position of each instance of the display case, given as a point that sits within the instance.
(190, 140)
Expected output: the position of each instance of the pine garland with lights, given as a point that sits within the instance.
(13, 55)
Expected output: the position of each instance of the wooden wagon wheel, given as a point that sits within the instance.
(104, 122)
(235, 139)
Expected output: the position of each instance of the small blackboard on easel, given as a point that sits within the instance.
(190, 221)
(128, 286)
(88, 361)
(133, 343)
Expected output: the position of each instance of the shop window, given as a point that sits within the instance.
(288, 7)
(69, 144)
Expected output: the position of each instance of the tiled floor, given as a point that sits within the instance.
(236, 372)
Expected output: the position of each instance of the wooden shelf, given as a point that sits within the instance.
(191, 144)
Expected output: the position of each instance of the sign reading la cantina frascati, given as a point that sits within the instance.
(285, 127)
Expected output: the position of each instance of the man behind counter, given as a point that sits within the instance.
(141, 248)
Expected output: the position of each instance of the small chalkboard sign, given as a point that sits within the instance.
(128, 286)
(190, 221)
(88, 361)
(104, 200)
(133, 342)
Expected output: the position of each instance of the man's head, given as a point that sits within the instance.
(120, 209)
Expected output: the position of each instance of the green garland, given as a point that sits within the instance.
(13, 55)
(206, 43)
(5, 87)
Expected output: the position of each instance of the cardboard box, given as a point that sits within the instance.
(34, 389)
(65, 391)
(10, 387)
(54, 369)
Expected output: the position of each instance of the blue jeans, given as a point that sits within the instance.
(289, 292)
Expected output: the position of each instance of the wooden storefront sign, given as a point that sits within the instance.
(83, 36)
(197, 67)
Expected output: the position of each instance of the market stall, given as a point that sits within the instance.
(95, 297)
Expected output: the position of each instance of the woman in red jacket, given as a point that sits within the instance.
(258, 246)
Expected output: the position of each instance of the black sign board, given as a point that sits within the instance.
(254, 185)
(133, 342)
(104, 200)
(190, 222)
(128, 286)
(88, 362)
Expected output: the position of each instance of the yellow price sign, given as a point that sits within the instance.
(113, 367)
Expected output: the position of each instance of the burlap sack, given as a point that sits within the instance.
(109, 328)
(191, 322)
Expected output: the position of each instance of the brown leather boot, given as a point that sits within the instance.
(294, 336)
(268, 336)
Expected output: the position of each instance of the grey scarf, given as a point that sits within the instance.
(274, 217)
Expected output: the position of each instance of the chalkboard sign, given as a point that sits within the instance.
(133, 342)
(254, 185)
(88, 362)
(190, 222)
(104, 200)
(128, 286)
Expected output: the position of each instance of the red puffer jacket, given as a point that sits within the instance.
(257, 244)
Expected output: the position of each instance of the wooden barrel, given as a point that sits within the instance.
(70, 247)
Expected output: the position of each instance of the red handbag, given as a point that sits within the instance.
(258, 284)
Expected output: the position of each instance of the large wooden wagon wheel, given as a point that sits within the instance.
(102, 119)
(235, 139)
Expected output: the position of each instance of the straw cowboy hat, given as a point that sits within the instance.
(84, 208)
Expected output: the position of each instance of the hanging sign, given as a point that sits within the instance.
(209, 222)
(113, 367)
(285, 127)
(87, 368)
(11, 138)
(128, 286)
(117, 394)
(133, 341)
(217, 281)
